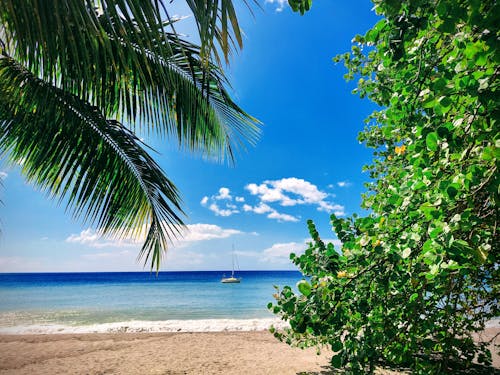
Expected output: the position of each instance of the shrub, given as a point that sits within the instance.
(418, 275)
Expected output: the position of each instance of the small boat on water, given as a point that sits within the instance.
(232, 279)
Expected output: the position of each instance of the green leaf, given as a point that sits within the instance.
(429, 102)
(393, 6)
(301, 6)
(337, 361)
(447, 26)
(431, 141)
(304, 287)
(337, 346)
(452, 190)
(428, 210)
(435, 232)
(488, 153)
(445, 102)
(419, 185)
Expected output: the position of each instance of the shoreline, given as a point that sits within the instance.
(175, 347)
(165, 326)
(139, 326)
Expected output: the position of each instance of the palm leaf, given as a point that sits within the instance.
(72, 71)
(122, 61)
(217, 22)
(69, 149)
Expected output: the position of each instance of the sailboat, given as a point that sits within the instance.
(232, 279)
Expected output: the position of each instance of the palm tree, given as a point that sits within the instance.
(79, 78)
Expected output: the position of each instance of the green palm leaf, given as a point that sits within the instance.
(70, 150)
(73, 71)
(133, 70)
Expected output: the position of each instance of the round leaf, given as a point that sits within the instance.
(431, 141)
(304, 287)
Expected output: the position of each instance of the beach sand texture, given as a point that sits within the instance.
(235, 353)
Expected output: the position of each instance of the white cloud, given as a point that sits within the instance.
(269, 194)
(304, 189)
(192, 233)
(282, 217)
(86, 236)
(205, 232)
(286, 192)
(280, 252)
(91, 238)
(3, 175)
(260, 209)
(344, 184)
(224, 193)
(275, 191)
(220, 204)
(294, 191)
(228, 211)
(250, 254)
(280, 4)
(337, 209)
(263, 208)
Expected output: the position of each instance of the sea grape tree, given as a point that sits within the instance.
(418, 275)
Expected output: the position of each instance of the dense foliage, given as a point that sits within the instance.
(419, 274)
(79, 78)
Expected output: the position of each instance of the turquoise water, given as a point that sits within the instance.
(96, 298)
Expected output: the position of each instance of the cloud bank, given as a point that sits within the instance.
(284, 193)
(294, 191)
(193, 233)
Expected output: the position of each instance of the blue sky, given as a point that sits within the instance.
(306, 165)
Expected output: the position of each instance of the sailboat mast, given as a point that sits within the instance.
(232, 260)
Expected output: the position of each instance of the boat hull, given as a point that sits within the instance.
(230, 280)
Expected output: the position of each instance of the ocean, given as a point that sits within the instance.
(138, 301)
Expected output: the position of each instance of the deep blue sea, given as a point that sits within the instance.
(42, 301)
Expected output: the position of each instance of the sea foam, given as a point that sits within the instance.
(202, 325)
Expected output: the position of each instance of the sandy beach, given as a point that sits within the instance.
(161, 353)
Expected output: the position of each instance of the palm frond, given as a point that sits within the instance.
(72, 71)
(217, 23)
(121, 59)
(69, 149)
